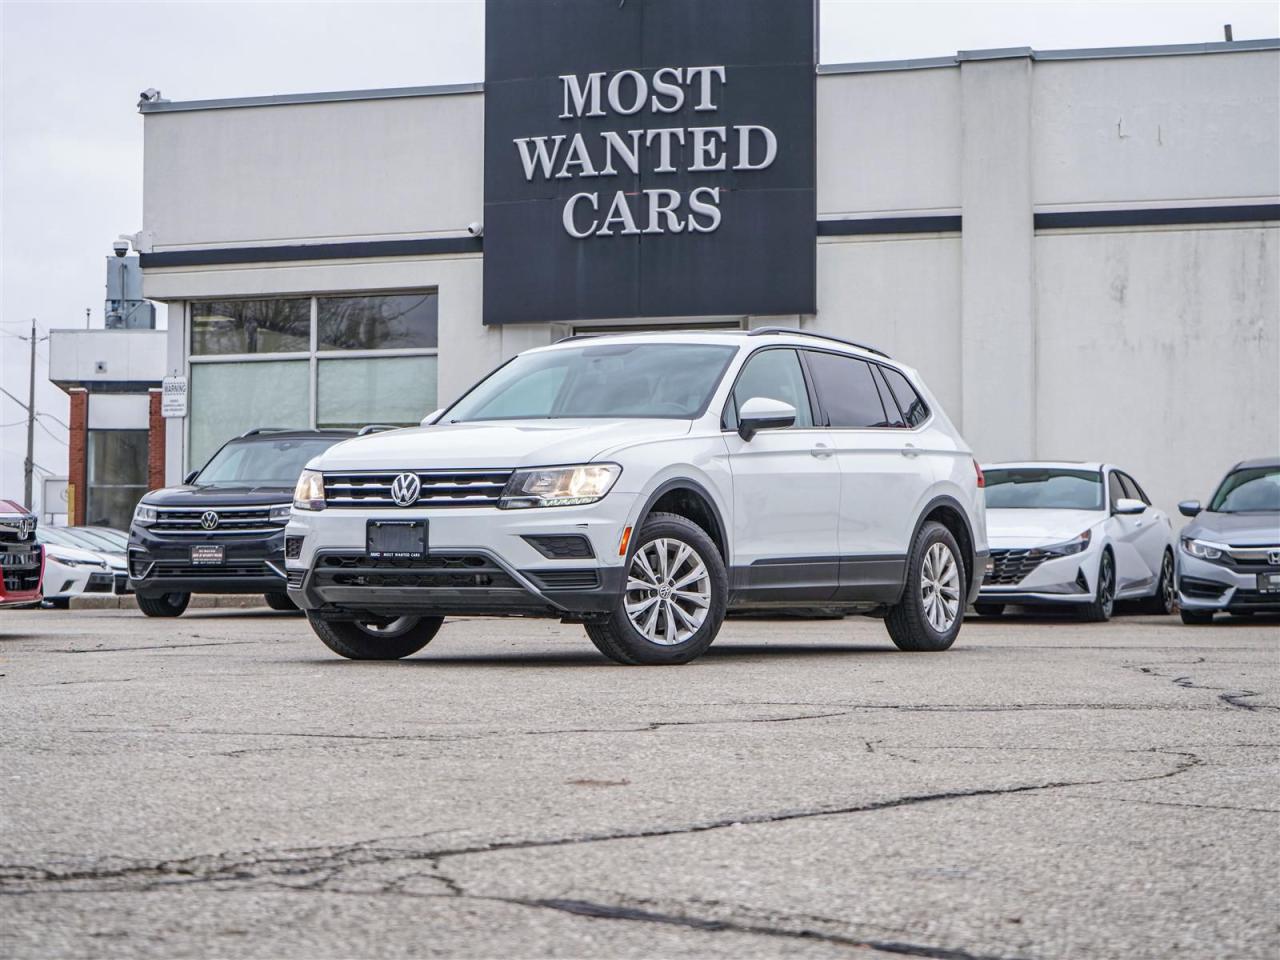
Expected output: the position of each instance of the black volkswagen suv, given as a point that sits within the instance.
(222, 531)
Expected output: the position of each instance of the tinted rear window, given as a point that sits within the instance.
(846, 390)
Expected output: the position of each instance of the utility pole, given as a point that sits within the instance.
(31, 423)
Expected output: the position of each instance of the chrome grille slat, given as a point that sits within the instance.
(185, 521)
(439, 488)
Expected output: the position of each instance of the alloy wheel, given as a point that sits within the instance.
(668, 591)
(1107, 584)
(1167, 587)
(940, 587)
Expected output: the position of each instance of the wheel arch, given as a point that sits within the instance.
(689, 499)
(949, 512)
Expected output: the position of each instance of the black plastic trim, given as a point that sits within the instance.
(682, 483)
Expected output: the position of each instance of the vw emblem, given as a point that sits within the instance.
(1273, 557)
(209, 520)
(405, 489)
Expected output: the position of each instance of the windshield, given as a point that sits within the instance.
(1253, 490)
(59, 536)
(262, 462)
(94, 538)
(1041, 488)
(666, 380)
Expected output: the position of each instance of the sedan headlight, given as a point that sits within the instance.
(69, 562)
(1202, 548)
(144, 515)
(281, 511)
(309, 493)
(559, 486)
(1076, 545)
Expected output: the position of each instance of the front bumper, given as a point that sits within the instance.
(1210, 587)
(160, 565)
(1071, 579)
(478, 562)
(21, 570)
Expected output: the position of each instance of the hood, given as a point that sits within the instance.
(55, 551)
(219, 495)
(1236, 529)
(495, 443)
(1038, 527)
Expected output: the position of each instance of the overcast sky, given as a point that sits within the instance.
(72, 138)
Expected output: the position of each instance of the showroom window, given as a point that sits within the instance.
(323, 361)
(117, 476)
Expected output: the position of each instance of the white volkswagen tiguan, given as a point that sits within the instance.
(642, 485)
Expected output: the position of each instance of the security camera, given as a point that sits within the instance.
(476, 229)
(121, 247)
(149, 95)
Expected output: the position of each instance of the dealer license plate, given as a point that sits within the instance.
(1269, 582)
(396, 539)
(206, 555)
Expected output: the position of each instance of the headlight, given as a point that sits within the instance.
(281, 511)
(144, 515)
(1078, 545)
(559, 486)
(309, 493)
(68, 562)
(1201, 548)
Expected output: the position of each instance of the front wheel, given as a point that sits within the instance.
(375, 640)
(280, 601)
(674, 600)
(165, 605)
(1104, 598)
(1164, 601)
(929, 615)
(1196, 617)
(989, 609)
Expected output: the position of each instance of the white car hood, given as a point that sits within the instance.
(494, 443)
(55, 552)
(1038, 527)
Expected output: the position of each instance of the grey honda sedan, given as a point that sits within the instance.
(1229, 555)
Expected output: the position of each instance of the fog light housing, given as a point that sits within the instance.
(292, 548)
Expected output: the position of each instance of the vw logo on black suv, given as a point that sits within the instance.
(209, 520)
(642, 485)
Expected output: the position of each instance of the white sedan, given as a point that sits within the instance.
(71, 569)
(1077, 534)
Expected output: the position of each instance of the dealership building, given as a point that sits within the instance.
(1079, 250)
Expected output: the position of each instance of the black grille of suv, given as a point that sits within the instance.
(242, 521)
(457, 571)
(1010, 566)
(443, 488)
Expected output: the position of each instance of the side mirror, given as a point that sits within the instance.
(430, 418)
(761, 413)
(1189, 508)
(1128, 507)
(190, 478)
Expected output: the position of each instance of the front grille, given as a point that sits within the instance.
(232, 521)
(457, 571)
(565, 579)
(439, 488)
(23, 573)
(1009, 567)
(1249, 599)
(238, 568)
(100, 583)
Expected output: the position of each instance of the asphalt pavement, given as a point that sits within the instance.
(222, 786)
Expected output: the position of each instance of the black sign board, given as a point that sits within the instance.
(649, 158)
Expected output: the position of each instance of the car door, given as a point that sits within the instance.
(1124, 533)
(882, 473)
(1151, 528)
(786, 489)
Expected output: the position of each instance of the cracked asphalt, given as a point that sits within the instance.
(221, 785)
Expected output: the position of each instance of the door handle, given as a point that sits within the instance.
(909, 450)
(821, 451)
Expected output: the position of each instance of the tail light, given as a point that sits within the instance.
(982, 480)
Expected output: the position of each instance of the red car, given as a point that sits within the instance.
(21, 558)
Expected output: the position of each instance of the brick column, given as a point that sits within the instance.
(155, 441)
(78, 456)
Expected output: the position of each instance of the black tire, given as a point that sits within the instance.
(359, 641)
(620, 640)
(989, 609)
(1165, 600)
(165, 605)
(908, 621)
(1099, 610)
(59, 603)
(280, 601)
(1196, 618)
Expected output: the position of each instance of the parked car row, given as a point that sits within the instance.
(643, 485)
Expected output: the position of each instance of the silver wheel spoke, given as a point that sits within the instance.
(668, 594)
(701, 599)
(940, 587)
(635, 609)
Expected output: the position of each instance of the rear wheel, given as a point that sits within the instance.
(1196, 617)
(932, 607)
(1104, 597)
(375, 640)
(280, 601)
(989, 609)
(1164, 600)
(674, 600)
(165, 605)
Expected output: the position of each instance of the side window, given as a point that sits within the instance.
(846, 390)
(1115, 489)
(1132, 490)
(914, 409)
(891, 411)
(774, 374)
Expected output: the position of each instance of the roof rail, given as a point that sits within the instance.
(795, 332)
(577, 336)
(257, 430)
(375, 428)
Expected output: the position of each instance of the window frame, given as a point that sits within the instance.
(815, 399)
(313, 354)
(729, 412)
